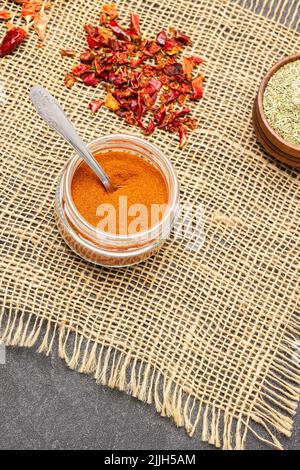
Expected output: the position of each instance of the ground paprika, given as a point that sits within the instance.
(138, 202)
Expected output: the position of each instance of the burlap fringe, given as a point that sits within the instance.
(274, 407)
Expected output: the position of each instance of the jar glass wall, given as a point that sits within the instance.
(105, 248)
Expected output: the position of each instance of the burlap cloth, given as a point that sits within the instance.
(208, 336)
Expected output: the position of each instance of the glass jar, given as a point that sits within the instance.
(107, 249)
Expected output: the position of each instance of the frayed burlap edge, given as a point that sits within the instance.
(273, 411)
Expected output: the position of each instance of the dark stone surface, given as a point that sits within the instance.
(44, 405)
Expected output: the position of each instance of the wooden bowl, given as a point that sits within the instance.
(272, 142)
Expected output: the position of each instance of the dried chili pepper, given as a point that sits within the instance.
(31, 10)
(153, 85)
(32, 7)
(161, 38)
(147, 85)
(169, 97)
(118, 30)
(110, 11)
(152, 48)
(94, 43)
(172, 47)
(173, 69)
(80, 69)
(197, 84)
(87, 56)
(135, 31)
(160, 116)
(11, 40)
(136, 62)
(111, 102)
(95, 105)
(150, 127)
(41, 20)
(189, 63)
(180, 37)
(90, 79)
(182, 136)
(70, 80)
(5, 15)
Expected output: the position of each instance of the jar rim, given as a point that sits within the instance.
(150, 233)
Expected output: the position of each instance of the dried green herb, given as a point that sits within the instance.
(282, 102)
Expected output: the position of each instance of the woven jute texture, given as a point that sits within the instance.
(209, 336)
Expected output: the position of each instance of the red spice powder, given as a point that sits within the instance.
(134, 177)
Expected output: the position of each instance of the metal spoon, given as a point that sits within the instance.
(49, 109)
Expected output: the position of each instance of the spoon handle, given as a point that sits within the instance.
(49, 109)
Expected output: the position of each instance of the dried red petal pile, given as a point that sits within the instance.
(146, 83)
